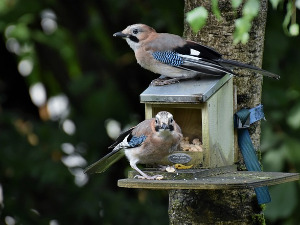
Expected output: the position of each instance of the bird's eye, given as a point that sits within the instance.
(171, 120)
(135, 31)
(156, 120)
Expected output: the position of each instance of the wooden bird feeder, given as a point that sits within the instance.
(203, 109)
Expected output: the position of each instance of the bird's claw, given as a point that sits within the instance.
(161, 82)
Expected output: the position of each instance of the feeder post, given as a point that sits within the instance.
(226, 206)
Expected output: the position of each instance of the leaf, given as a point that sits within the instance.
(243, 24)
(297, 4)
(20, 32)
(245, 37)
(215, 9)
(294, 29)
(275, 3)
(236, 3)
(273, 160)
(292, 150)
(197, 18)
(293, 119)
(284, 201)
(287, 17)
(251, 9)
(242, 27)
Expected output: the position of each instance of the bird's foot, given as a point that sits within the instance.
(164, 81)
(155, 177)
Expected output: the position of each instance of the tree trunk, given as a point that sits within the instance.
(224, 206)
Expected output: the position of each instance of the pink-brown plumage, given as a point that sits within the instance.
(195, 59)
(146, 143)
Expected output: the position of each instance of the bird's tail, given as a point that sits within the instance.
(104, 163)
(232, 63)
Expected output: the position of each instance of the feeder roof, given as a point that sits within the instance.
(187, 91)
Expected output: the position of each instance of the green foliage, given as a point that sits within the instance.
(280, 133)
(275, 3)
(215, 8)
(283, 202)
(98, 75)
(289, 24)
(243, 24)
(197, 18)
(290, 18)
(293, 119)
(236, 3)
(294, 29)
(250, 10)
(68, 47)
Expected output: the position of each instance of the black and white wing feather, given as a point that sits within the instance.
(124, 141)
(203, 60)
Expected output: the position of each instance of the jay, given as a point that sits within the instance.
(177, 58)
(146, 143)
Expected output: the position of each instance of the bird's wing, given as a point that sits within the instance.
(187, 55)
(200, 58)
(231, 63)
(195, 49)
(203, 60)
(134, 136)
(170, 42)
(121, 138)
(105, 162)
(190, 62)
(130, 138)
(195, 55)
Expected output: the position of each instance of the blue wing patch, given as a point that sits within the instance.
(136, 141)
(168, 57)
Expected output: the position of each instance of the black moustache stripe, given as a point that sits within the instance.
(133, 38)
(171, 128)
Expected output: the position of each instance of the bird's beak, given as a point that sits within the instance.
(164, 126)
(120, 34)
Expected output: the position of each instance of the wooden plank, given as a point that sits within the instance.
(231, 180)
(186, 173)
(175, 105)
(148, 111)
(205, 136)
(236, 146)
(219, 127)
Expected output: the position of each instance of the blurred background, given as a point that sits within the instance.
(67, 88)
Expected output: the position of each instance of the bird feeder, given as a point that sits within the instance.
(203, 109)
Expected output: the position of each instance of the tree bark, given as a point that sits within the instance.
(224, 206)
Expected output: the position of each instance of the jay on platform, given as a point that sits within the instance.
(176, 58)
(146, 143)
